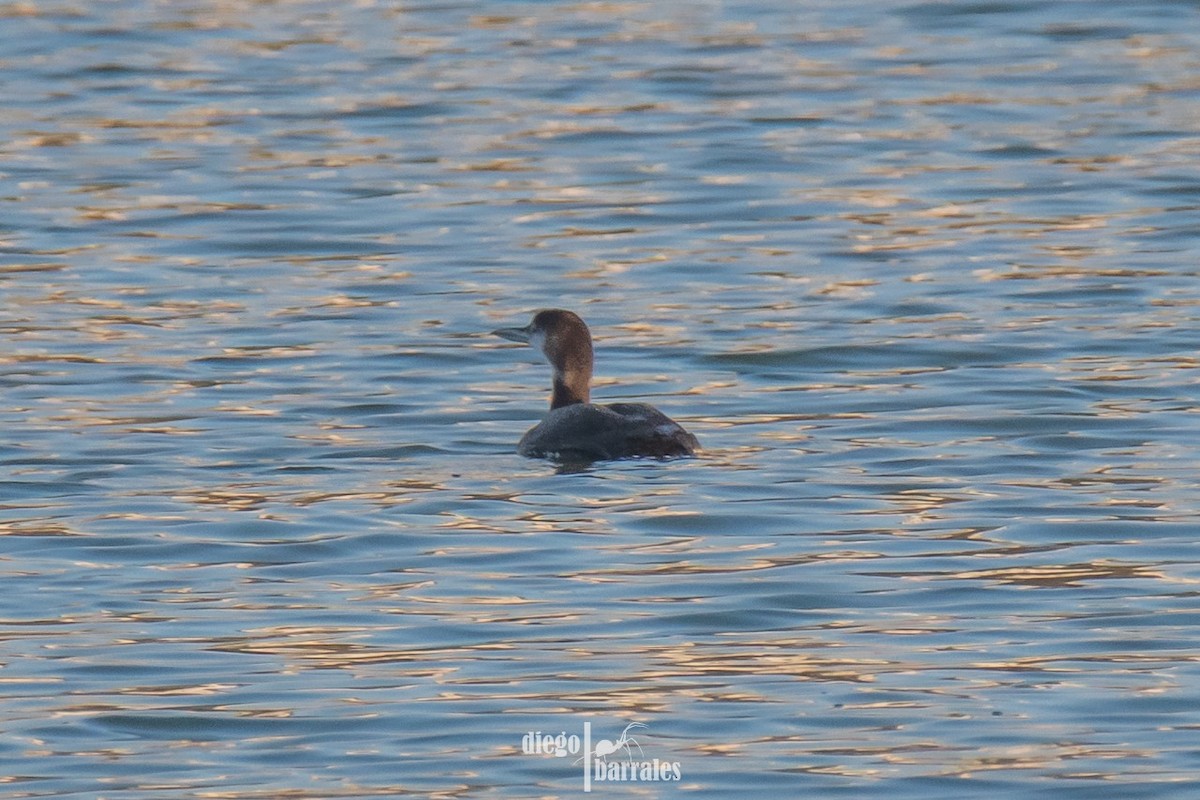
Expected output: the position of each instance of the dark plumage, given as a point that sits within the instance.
(577, 429)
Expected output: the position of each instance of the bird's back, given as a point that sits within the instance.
(590, 432)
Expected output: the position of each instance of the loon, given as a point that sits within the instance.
(577, 429)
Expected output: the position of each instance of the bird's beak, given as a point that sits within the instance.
(514, 334)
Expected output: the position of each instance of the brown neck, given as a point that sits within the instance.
(565, 395)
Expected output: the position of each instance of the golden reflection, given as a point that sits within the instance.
(1044, 756)
(32, 267)
(331, 437)
(313, 498)
(1103, 477)
(350, 790)
(182, 205)
(1059, 575)
(37, 527)
(201, 690)
(924, 505)
(709, 387)
(791, 657)
(253, 47)
(902, 243)
(22, 9)
(497, 21)
(632, 108)
(52, 139)
(316, 649)
(496, 165)
(684, 567)
(235, 497)
(683, 544)
(847, 289)
(718, 749)
(265, 351)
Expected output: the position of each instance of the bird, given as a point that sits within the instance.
(576, 429)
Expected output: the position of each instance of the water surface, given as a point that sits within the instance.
(922, 277)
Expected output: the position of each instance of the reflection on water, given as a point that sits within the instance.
(920, 275)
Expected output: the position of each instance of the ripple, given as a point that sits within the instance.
(930, 306)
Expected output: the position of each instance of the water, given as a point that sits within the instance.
(922, 277)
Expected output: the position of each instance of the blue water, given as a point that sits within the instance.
(922, 277)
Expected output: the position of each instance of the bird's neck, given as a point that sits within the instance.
(570, 387)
